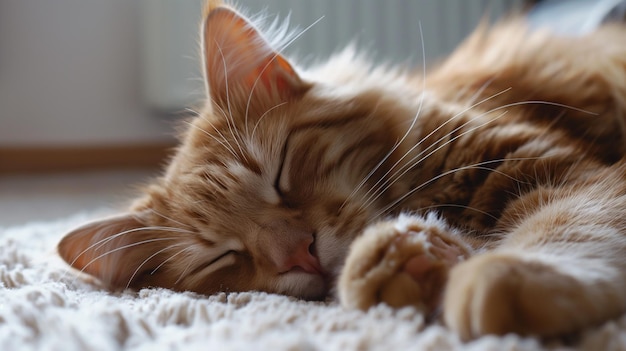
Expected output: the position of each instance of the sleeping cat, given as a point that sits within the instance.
(493, 189)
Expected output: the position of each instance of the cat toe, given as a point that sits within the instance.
(407, 267)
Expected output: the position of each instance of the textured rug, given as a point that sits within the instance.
(43, 307)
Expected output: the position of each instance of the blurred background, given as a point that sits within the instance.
(91, 72)
(90, 90)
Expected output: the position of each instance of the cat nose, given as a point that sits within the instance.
(302, 258)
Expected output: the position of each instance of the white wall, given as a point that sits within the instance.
(70, 74)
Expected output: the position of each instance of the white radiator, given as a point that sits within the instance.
(389, 29)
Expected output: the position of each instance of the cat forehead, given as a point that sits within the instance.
(215, 192)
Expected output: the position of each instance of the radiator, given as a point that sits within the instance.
(390, 30)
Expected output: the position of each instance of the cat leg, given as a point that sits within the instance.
(559, 271)
(401, 262)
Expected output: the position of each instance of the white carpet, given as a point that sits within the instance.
(44, 308)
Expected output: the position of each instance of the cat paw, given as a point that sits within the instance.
(499, 294)
(402, 262)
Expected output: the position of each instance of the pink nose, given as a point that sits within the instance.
(302, 259)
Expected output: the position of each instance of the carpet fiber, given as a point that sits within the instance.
(43, 307)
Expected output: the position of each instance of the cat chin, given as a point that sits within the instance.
(303, 285)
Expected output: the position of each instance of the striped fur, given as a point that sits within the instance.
(508, 156)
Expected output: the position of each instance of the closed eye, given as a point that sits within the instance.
(280, 173)
(229, 252)
(215, 263)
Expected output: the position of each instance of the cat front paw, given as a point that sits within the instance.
(401, 262)
(497, 294)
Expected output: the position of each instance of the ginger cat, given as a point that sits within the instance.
(492, 190)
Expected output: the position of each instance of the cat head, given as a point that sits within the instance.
(268, 187)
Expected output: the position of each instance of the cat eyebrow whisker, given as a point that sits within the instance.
(223, 143)
(230, 119)
(406, 134)
(192, 111)
(228, 144)
(263, 115)
(218, 107)
(276, 54)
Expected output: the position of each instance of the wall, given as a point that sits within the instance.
(388, 31)
(70, 74)
(85, 72)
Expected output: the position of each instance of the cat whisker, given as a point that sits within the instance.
(411, 164)
(270, 61)
(102, 242)
(441, 175)
(459, 206)
(148, 241)
(406, 134)
(493, 237)
(415, 161)
(148, 259)
(169, 259)
(480, 91)
(184, 272)
(386, 180)
(541, 102)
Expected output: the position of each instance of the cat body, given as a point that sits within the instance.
(493, 188)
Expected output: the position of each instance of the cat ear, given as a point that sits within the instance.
(118, 250)
(240, 64)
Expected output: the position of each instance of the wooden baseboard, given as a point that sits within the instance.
(89, 158)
